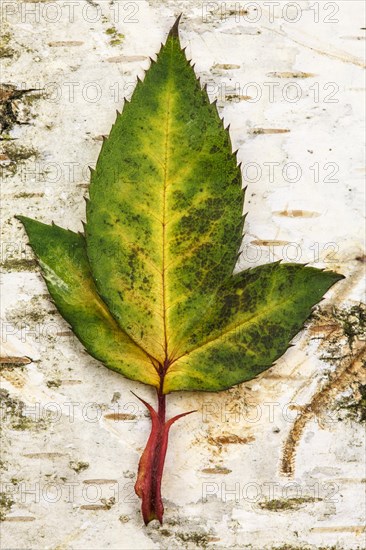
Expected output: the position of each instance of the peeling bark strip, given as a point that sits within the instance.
(15, 361)
(65, 43)
(120, 416)
(126, 58)
(351, 371)
(357, 529)
(225, 66)
(260, 131)
(289, 74)
(230, 439)
(51, 456)
(260, 242)
(296, 214)
(219, 470)
(100, 481)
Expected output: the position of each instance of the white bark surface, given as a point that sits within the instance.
(233, 469)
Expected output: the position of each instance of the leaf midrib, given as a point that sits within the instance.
(164, 222)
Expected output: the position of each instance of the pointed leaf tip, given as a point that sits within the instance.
(174, 31)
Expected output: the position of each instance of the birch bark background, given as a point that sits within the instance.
(274, 463)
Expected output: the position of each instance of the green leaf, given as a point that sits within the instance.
(164, 220)
(164, 226)
(249, 325)
(150, 291)
(62, 257)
